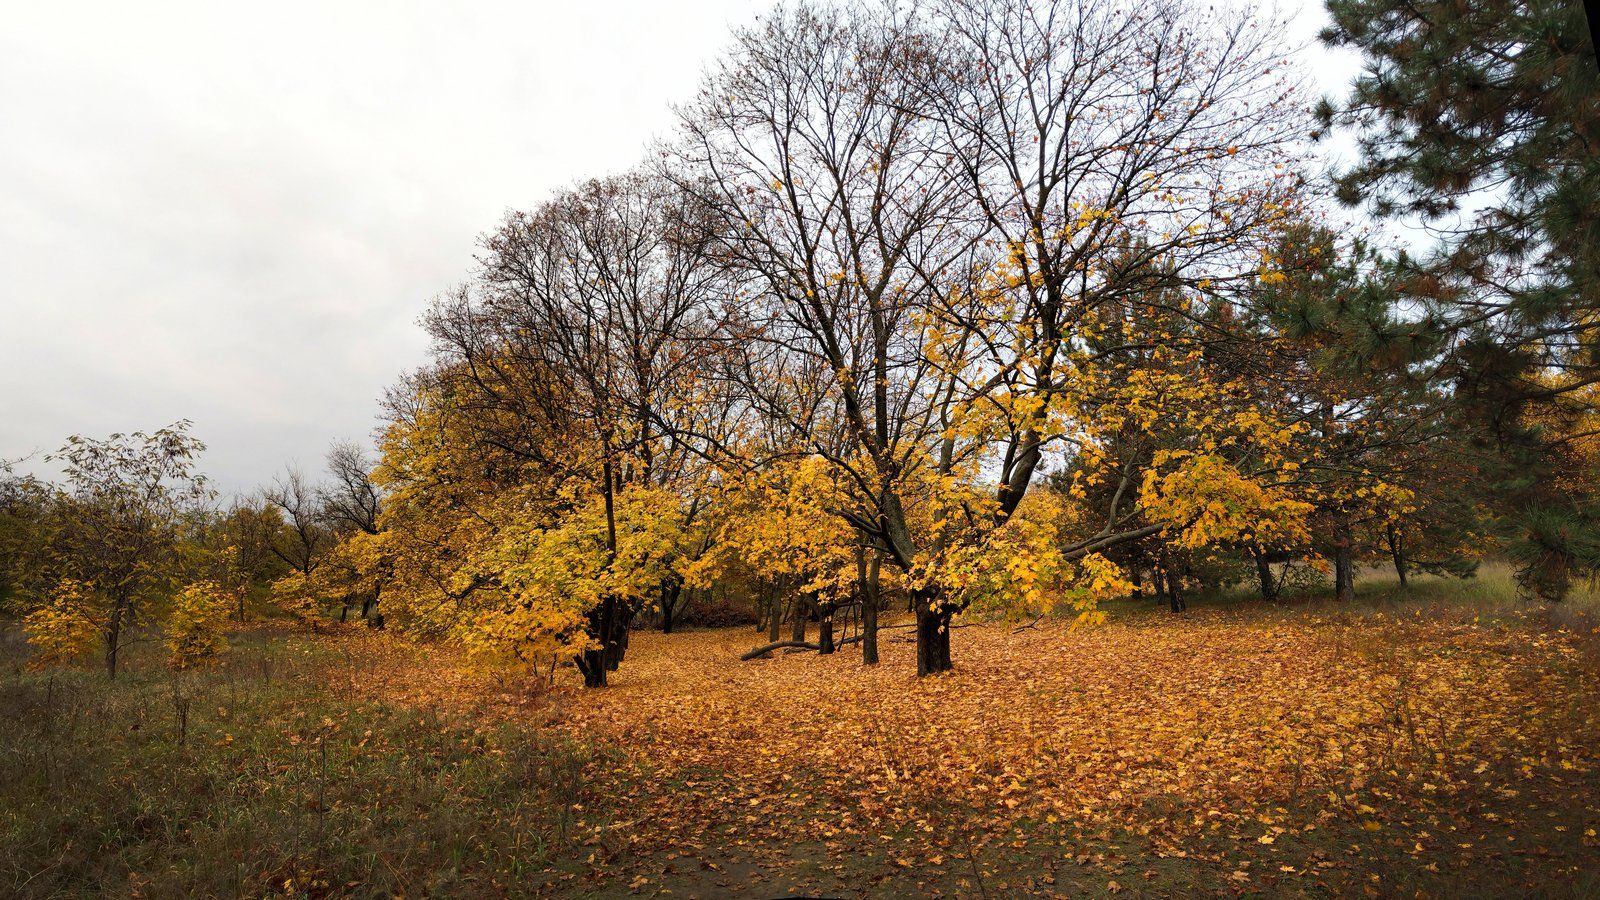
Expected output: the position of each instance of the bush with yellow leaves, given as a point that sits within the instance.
(195, 631)
(65, 631)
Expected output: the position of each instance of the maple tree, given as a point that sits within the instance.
(779, 526)
(66, 629)
(532, 460)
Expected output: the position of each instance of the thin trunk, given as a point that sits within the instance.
(869, 613)
(774, 613)
(602, 620)
(114, 637)
(1397, 549)
(825, 628)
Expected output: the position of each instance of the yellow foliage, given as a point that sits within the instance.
(1206, 499)
(1021, 568)
(293, 593)
(67, 630)
(545, 578)
(195, 630)
(780, 524)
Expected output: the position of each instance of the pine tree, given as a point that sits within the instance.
(1482, 120)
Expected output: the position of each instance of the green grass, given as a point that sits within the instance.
(266, 776)
(1489, 594)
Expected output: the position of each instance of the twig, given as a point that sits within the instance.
(1033, 624)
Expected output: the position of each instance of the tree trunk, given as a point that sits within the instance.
(671, 590)
(774, 613)
(1269, 585)
(621, 631)
(797, 628)
(602, 619)
(1344, 569)
(113, 638)
(1175, 594)
(1138, 583)
(594, 664)
(869, 613)
(1397, 549)
(825, 628)
(933, 633)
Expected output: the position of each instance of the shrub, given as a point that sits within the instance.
(66, 630)
(195, 631)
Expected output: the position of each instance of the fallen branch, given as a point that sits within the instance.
(797, 645)
(779, 645)
(1033, 624)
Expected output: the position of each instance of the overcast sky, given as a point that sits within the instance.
(234, 213)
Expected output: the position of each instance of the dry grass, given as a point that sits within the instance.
(281, 773)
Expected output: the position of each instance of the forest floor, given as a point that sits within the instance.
(1412, 744)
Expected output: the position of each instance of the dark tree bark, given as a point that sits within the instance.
(933, 632)
(592, 664)
(607, 627)
(1175, 593)
(1397, 550)
(869, 613)
(1269, 585)
(825, 628)
(1344, 568)
(797, 627)
(671, 590)
(774, 613)
(621, 632)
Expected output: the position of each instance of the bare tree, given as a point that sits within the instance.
(352, 502)
(306, 535)
(992, 175)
